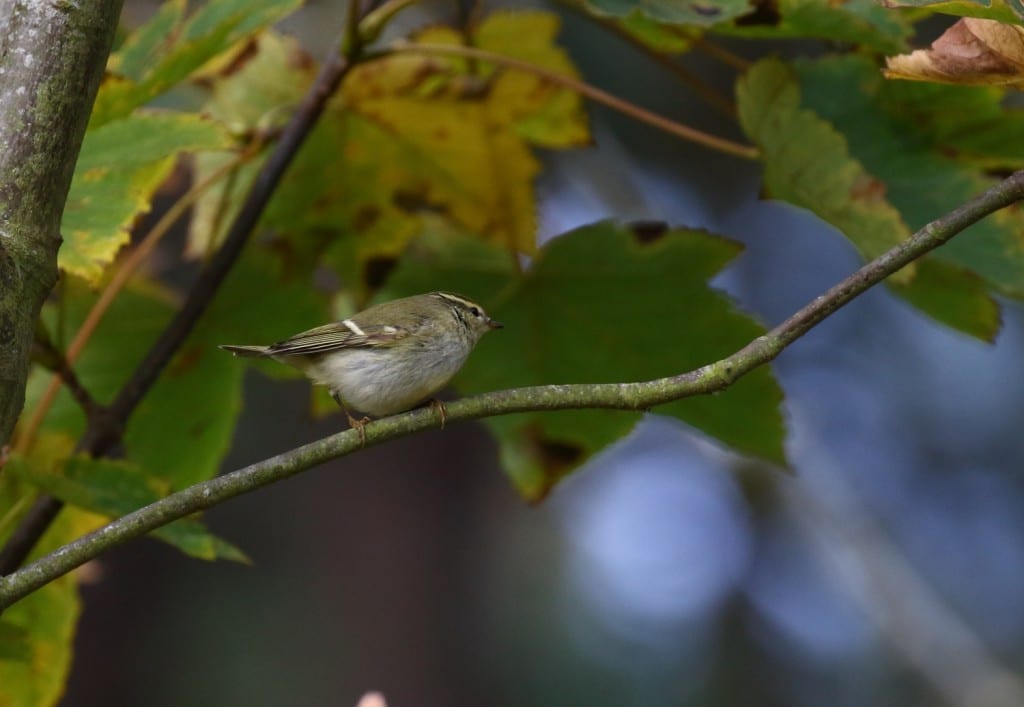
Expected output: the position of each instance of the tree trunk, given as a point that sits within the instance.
(52, 56)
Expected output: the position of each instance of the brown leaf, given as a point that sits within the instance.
(973, 52)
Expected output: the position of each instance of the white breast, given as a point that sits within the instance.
(370, 381)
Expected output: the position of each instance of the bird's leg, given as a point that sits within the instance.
(437, 405)
(359, 425)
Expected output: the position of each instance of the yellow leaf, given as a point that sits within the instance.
(462, 130)
(411, 139)
(544, 113)
(101, 208)
(460, 160)
(120, 167)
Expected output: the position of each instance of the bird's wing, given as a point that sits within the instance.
(337, 335)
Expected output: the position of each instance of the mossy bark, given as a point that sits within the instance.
(52, 56)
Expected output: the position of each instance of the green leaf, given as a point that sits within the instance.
(170, 49)
(860, 22)
(120, 341)
(809, 163)
(1002, 10)
(146, 137)
(119, 169)
(701, 14)
(184, 426)
(116, 488)
(670, 39)
(954, 296)
(145, 46)
(101, 208)
(14, 642)
(806, 161)
(42, 625)
(603, 303)
(199, 395)
(259, 303)
(885, 126)
(973, 125)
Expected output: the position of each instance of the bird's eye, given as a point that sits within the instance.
(475, 311)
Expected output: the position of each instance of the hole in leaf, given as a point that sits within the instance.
(647, 232)
(376, 271)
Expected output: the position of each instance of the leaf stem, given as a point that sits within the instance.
(710, 378)
(595, 94)
(352, 43)
(377, 19)
(50, 357)
(723, 55)
(708, 93)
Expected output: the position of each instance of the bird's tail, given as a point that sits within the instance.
(246, 351)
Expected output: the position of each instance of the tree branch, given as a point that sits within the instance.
(616, 396)
(50, 357)
(104, 431)
(52, 57)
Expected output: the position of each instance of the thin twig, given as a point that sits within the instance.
(16, 508)
(592, 92)
(49, 357)
(723, 55)
(352, 43)
(711, 378)
(104, 431)
(708, 93)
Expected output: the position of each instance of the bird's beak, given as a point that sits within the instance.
(495, 325)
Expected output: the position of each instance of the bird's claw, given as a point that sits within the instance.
(437, 405)
(359, 425)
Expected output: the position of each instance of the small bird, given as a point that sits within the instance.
(388, 358)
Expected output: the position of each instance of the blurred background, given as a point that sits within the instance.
(886, 569)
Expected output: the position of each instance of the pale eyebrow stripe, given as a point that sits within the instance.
(456, 299)
(353, 327)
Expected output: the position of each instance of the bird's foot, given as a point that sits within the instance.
(437, 405)
(359, 425)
